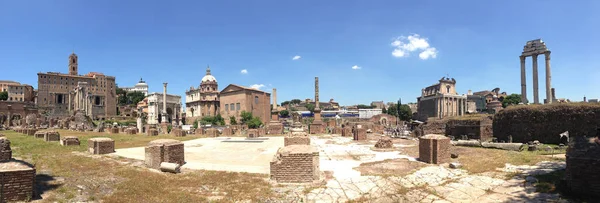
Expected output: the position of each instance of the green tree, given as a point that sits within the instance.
(122, 100)
(120, 91)
(405, 112)
(512, 99)
(285, 103)
(135, 97)
(284, 113)
(219, 120)
(393, 110)
(232, 120)
(246, 117)
(195, 124)
(310, 107)
(296, 101)
(3, 96)
(254, 123)
(384, 110)
(362, 106)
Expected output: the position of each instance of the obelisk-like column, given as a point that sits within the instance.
(164, 110)
(548, 79)
(274, 99)
(536, 98)
(523, 80)
(317, 93)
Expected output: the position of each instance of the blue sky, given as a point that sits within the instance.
(476, 42)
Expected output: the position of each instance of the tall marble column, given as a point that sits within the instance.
(523, 80)
(536, 98)
(164, 109)
(548, 79)
(274, 99)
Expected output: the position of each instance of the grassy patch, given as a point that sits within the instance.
(547, 183)
(100, 178)
(478, 160)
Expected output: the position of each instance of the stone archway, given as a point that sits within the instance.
(383, 121)
(169, 115)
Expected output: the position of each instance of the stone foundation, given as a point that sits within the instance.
(199, 131)
(275, 129)
(296, 140)
(434, 149)
(296, 164)
(252, 133)
(477, 128)
(101, 145)
(131, 131)
(178, 132)
(227, 132)
(51, 136)
(5, 151)
(152, 132)
(113, 130)
(346, 132)
(384, 142)
(337, 131)
(316, 128)
(582, 176)
(17, 180)
(30, 131)
(359, 134)
(164, 150)
(69, 140)
(211, 132)
(40, 134)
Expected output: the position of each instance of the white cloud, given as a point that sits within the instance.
(296, 57)
(428, 53)
(404, 45)
(355, 67)
(257, 86)
(244, 71)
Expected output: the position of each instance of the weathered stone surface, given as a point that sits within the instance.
(170, 167)
(359, 134)
(347, 132)
(101, 145)
(40, 134)
(17, 180)
(211, 132)
(227, 132)
(295, 164)
(199, 131)
(5, 151)
(51, 136)
(178, 132)
(69, 140)
(316, 128)
(275, 129)
(131, 130)
(296, 140)
(479, 128)
(583, 161)
(434, 149)
(384, 142)
(164, 150)
(252, 133)
(113, 130)
(152, 132)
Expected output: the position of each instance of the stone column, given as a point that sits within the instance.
(536, 98)
(164, 110)
(548, 79)
(523, 80)
(69, 103)
(317, 93)
(274, 99)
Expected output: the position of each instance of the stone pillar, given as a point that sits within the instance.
(536, 98)
(164, 109)
(523, 80)
(548, 79)
(274, 99)
(317, 93)
(69, 103)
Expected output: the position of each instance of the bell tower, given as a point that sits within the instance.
(73, 64)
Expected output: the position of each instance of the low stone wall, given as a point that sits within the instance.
(252, 133)
(479, 128)
(583, 161)
(295, 164)
(227, 132)
(178, 132)
(101, 145)
(346, 132)
(359, 134)
(52, 136)
(211, 132)
(275, 129)
(434, 149)
(152, 132)
(296, 140)
(70, 141)
(164, 150)
(5, 151)
(546, 122)
(17, 179)
(31, 131)
(435, 126)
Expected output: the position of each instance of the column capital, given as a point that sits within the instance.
(522, 57)
(534, 56)
(547, 55)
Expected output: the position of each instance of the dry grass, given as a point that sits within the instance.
(478, 160)
(100, 178)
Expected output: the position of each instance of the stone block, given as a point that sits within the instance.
(101, 145)
(17, 179)
(261, 131)
(316, 128)
(583, 161)
(131, 130)
(227, 132)
(359, 134)
(384, 142)
(434, 149)
(253, 133)
(211, 132)
(52, 136)
(5, 151)
(347, 132)
(296, 140)
(152, 132)
(40, 134)
(295, 164)
(164, 150)
(275, 129)
(69, 140)
(178, 132)
(113, 130)
(199, 131)
(31, 131)
(337, 130)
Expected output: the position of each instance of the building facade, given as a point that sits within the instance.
(235, 98)
(441, 100)
(141, 86)
(155, 108)
(56, 91)
(21, 93)
(369, 113)
(5, 83)
(378, 104)
(204, 100)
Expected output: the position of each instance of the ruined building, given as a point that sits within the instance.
(62, 94)
(441, 100)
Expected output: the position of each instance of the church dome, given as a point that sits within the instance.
(141, 83)
(207, 78)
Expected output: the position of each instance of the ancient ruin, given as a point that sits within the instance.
(434, 149)
(441, 100)
(5, 151)
(164, 150)
(296, 164)
(178, 132)
(359, 133)
(317, 126)
(533, 48)
(583, 162)
(17, 177)
(384, 142)
(51, 136)
(69, 141)
(101, 145)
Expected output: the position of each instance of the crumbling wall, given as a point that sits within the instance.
(17, 178)
(583, 161)
(435, 126)
(295, 164)
(474, 128)
(546, 122)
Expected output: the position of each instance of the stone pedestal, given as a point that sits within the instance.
(337, 131)
(295, 164)
(70, 141)
(275, 128)
(17, 180)
(583, 161)
(253, 133)
(164, 128)
(199, 131)
(164, 150)
(101, 145)
(211, 132)
(178, 132)
(113, 130)
(52, 136)
(359, 134)
(316, 127)
(40, 134)
(152, 132)
(434, 149)
(5, 151)
(227, 132)
(346, 132)
(131, 131)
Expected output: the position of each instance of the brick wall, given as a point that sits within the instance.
(296, 164)
(359, 133)
(101, 145)
(69, 140)
(5, 151)
(51, 136)
(434, 149)
(480, 128)
(346, 132)
(17, 184)
(435, 126)
(316, 128)
(583, 161)
(298, 140)
(164, 150)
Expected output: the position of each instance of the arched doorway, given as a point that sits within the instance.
(169, 115)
